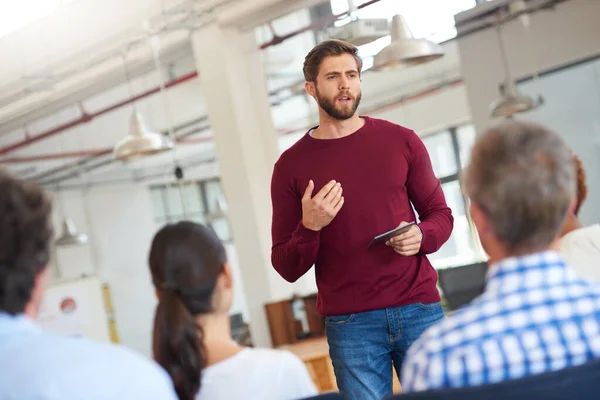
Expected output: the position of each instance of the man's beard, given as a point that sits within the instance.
(340, 113)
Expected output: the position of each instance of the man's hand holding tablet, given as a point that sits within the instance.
(408, 242)
(405, 239)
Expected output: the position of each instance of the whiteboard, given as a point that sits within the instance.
(75, 308)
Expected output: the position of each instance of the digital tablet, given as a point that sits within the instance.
(384, 237)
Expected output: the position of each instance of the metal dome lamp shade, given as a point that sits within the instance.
(405, 50)
(141, 142)
(70, 236)
(511, 101)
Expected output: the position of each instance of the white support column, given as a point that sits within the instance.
(234, 86)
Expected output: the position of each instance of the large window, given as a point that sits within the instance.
(202, 202)
(449, 151)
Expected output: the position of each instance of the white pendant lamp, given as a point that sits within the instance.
(511, 101)
(405, 50)
(70, 236)
(141, 142)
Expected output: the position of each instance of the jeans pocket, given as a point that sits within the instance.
(339, 319)
(428, 306)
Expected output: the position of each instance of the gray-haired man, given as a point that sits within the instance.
(535, 314)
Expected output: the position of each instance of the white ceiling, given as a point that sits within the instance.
(83, 31)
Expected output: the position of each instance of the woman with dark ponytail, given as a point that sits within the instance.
(192, 338)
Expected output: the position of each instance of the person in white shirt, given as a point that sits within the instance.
(580, 245)
(192, 336)
(43, 366)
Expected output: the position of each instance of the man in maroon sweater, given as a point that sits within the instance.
(347, 180)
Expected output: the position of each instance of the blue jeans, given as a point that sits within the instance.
(364, 345)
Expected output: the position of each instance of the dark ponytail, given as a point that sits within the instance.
(186, 260)
(177, 346)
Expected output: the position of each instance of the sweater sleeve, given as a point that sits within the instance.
(426, 194)
(295, 247)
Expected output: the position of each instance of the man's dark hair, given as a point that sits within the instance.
(25, 239)
(327, 48)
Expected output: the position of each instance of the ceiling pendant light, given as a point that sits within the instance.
(405, 50)
(521, 6)
(140, 142)
(511, 101)
(70, 236)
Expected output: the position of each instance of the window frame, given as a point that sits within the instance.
(455, 177)
(200, 186)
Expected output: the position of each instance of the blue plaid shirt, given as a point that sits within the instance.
(534, 316)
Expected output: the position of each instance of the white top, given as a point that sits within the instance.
(43, 366)
(581, 249)
(261, 374)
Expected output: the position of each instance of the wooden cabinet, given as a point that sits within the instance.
(303, 333)
(315, 354)
(287, 327)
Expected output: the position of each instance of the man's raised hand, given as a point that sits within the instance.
(320, 210)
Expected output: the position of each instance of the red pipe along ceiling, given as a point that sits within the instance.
(82, 153)
(284, 131)
(85, 117)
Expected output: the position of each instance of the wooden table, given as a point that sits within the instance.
(315, 354)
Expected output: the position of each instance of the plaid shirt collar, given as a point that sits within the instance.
(527, 272)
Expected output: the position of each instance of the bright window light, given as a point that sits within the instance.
(431, 19)
(16, 14)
